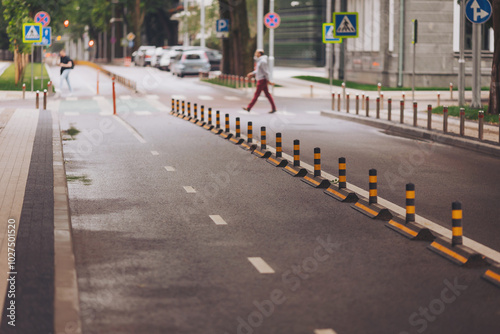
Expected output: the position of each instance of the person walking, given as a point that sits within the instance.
(261, 74)
(66, 65)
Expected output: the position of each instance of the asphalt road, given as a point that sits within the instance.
(150, 259)
(442, 174)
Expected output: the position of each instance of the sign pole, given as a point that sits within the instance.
(476, 66)
(271, 45)
(461, 59)
(414, 42)
(41, 63)
(329, 47)
(202, 24)
(32, 66)
(260, 24)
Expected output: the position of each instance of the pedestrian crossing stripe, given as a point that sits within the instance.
(328, 35)
(345, 25)
(32, 33)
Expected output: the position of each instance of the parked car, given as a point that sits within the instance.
(168, 58)
(214, 57)
(164, 61)
(143, 56)
(190, 62)
(156, 56)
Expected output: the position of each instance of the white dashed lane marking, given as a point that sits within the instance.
(170, 169)
(189, 189)
(261, 265)
(232, 98)
(155, 153)
(324, 331)
(218, 220)
(205, 98)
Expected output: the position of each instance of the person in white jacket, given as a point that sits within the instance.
(261, 74)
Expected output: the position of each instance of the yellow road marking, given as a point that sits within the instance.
(449, 252)
(403, 228)
(311, 180)
(367, 209)
(493, 275)
(336, 193)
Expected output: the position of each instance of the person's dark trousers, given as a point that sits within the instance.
(262, 87)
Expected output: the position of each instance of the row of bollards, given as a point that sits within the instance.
(37, 99)
(457, 233)
(236, 81)
(366, 105)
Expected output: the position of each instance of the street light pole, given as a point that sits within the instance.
(329, 46)
(476, 66)
(186, 33)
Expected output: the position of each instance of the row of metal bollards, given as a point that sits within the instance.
(457, 232)
(236, 81)
(37, 100)
(366, 105)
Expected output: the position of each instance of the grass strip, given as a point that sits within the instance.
(8, 76)
(470, 114)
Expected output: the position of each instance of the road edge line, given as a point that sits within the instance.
(66, 295)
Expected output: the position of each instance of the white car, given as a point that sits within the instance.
(156, 56)
(164, 62)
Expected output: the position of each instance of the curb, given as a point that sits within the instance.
(66, 297)
(407, 130)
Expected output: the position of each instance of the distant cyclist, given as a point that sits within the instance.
(67, 65)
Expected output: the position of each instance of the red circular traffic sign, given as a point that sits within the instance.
(43, 18)
(272, 20)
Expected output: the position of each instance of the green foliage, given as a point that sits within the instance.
(472, 114)
(7, 78)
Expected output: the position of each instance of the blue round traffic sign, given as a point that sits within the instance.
(272, 20)
(478, 11)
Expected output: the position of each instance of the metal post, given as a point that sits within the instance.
(32, 56)
(347, 102)
(357, 104)
(415, 116)
(461, 59)
(45, 99)
(41, 65)
(24, 91)
(378, 107)
(37, 102)
(445, 119)
(476, 66)
(367, 104)
(185, 22)
(389, 109)
(481, 124)
(429, 117)
(271, 45)
(333, 101)
(462, 122)
(401, 111)
(114, 97)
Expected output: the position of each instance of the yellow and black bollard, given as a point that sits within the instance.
(296, 153)
(342, 173)
(279, 147)
(227, 124)
(202, 112)
(195, 111)
(238, 129)
(227, 133)
(249, 132)
(209, 116)
(237, 139)
(189, 110)
(183, 107)
(456, 224)
(217, 119)
(317, 161)
(262, 153)
(407, 226)
(369, 207)
(316, 180)
(217, 130)
(296, 170)
(173, 106)
(372, 186)
(177, 106)
(410, 202)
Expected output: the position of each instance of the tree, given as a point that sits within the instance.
(238, 48)
(494, 102)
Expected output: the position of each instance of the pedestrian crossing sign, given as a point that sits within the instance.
(328, 35)
(32, 32)
(346, 25)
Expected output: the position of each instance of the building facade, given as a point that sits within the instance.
(383, 52)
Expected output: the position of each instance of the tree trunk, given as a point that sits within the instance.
(138, 19)
(494, 103)
(238, 49)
